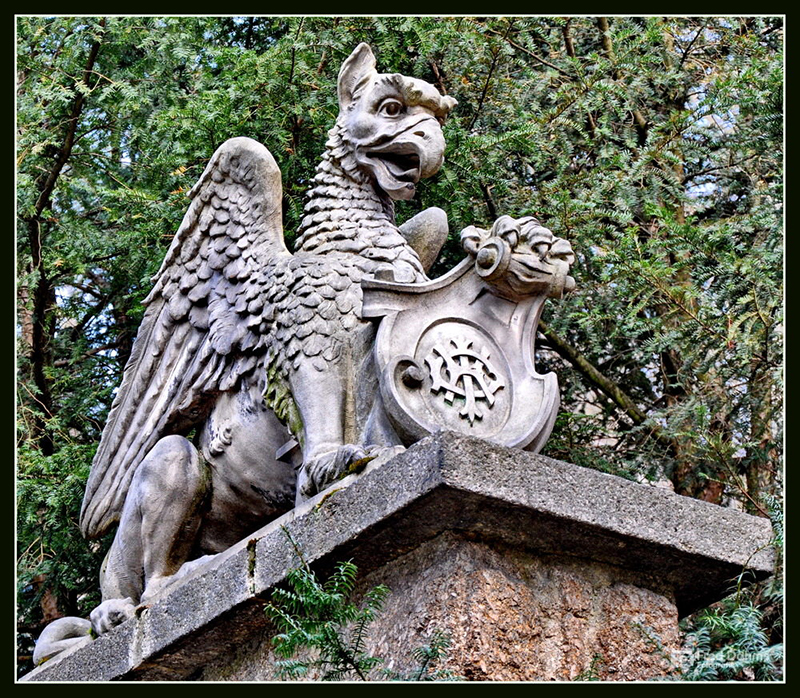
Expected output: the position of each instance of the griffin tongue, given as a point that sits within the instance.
(392, 183)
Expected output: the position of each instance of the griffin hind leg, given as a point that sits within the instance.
(158, 527)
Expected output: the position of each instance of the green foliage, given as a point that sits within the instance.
(319, 618)
(54, 563)
(50, 491)
(428, 657)
(320, 623)
(592, 672)
(653, 144)
(740, 638)
(729, 642)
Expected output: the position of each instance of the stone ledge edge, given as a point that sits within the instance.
(472, 473)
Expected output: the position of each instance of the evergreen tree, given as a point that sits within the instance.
(654, 145)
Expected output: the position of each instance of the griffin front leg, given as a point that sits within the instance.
(323, 401)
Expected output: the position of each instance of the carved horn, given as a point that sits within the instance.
(357, 69)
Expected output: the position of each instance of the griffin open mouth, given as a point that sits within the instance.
(403, 166)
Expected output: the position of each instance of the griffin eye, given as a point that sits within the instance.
(391, 107)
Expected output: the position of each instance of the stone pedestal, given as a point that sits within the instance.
(517, 616)
(537, 569)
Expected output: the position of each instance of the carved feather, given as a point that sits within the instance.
(189, 347)
(229, 299)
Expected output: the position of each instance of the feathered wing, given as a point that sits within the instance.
(204, 324)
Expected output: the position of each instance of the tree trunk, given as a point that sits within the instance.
(42, 295)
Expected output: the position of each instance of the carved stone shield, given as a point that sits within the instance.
(457, 354)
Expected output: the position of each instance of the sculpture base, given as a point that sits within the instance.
(537, 569)
(516, 616)
(510, 616)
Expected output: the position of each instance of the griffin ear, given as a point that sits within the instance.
(357, 69)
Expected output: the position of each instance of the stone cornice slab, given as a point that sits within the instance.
(689, 549)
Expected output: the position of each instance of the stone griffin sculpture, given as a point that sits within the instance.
(271, 360)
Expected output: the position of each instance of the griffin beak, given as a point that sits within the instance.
(414, 154)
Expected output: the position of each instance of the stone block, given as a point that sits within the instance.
(537, 569)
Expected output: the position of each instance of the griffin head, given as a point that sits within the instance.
(392, 124)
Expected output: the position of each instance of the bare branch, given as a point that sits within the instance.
(606, 385)
(60, 363)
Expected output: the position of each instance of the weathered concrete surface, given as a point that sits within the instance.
(539, 554)
(515, 616)
(511, 615)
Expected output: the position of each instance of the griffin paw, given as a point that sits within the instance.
(110, 614)
(320, 471)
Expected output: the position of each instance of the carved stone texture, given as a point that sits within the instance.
(269, 356)
(534, 567)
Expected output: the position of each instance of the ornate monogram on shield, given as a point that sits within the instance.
(459, 371)
(467, 383)
(457, 353)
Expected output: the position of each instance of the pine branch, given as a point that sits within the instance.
(65, 150)
(485, 91)
(530, 53)
(605, 384)
(43, 296)
(608, 48)
(60, 363)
